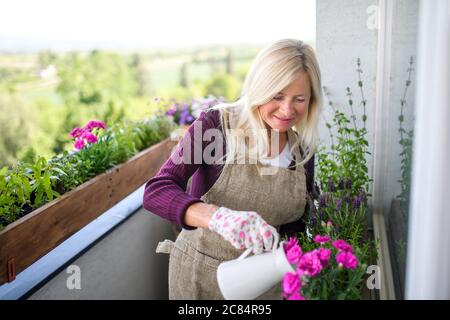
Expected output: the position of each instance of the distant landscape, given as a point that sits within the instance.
(44, 93)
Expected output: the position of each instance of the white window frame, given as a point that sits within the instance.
(382, 96)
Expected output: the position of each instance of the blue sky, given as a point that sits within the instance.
(165, 23)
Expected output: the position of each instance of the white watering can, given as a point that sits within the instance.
(247, 278)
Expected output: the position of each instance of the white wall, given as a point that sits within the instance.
(346, 30)
(342, 36)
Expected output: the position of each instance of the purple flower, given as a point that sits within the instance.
(341, 183)
(312, 220)
(322, 215)
(338, 204)
(79, 144)
(321, 239)
(76, 132)
(183, 119)
(362, 195)
(323, 200)
(356, 203)
(171, 111)
(348, 183)
(310, 264)
(347, 260)
(341, 245)
(331, 186)
(347, 198)
(291, 283)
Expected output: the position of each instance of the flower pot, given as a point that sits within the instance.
(32, 236)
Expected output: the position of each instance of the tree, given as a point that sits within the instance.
(142, 76)
(46, 58)
(224, 85)
(15, 131)
(229, 63)
(97, 77)
(183, 75)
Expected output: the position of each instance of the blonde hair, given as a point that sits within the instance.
(274, 68)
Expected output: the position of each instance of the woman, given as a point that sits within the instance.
(244, 189)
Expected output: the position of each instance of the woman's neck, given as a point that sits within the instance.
(283, 139)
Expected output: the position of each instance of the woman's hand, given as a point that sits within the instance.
(244, 229)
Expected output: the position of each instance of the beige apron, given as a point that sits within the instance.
(194, 257)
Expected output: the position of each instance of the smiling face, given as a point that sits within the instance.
(288, 106)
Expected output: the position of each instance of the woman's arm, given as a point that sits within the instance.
(165, 194)
(199, 214)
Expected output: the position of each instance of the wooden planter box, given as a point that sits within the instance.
(32, 236)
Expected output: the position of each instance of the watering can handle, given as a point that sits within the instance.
(276, 240)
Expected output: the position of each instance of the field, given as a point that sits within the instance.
(45, 94)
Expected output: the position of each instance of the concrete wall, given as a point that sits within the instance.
(342, 36)
(347, 30)
(123, 265)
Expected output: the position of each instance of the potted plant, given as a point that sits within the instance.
(331, 258)
(43, 203)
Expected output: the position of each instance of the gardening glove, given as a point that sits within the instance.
(244, 230)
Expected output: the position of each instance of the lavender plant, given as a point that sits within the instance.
(346, 156)
(346, 213)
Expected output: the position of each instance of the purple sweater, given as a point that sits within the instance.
(166, 195)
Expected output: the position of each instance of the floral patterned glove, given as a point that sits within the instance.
(244, 230)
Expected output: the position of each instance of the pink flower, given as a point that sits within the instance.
(347, 260)
(76, 132)
(292, 242)
(91, 138)
(292, 250)
(94, 124)
(291, 283)
(310, 264)
(321, 239)
(296, 296)
(79, 144)
(324, 256)
(341, 245)
(294, 254)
